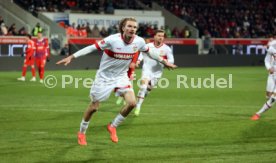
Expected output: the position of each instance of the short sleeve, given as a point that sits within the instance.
(143, 47)
(104, 44)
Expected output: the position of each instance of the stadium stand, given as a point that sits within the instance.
(225, 18)
(87, 6)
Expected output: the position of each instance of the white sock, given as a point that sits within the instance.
(266, 106)
(118, 120)
(141, 95)
(83, 126)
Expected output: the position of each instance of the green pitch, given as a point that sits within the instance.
(39, 124)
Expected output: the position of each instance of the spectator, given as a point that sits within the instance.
(109, 7)
(82, 31)
(22, 32)
(88, 30)
(112, 30)
(96, 31)
(72, 31)
(12, 30)
(176, 33)
(168, 32)
(186, 32)
(65, 50)
(71, 4)
(37, 29)
(104, 32)
(4, 29)
(149, 31)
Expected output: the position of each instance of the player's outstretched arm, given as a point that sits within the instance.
(79, 53)
(66, 60)
(169, 65)
(154, 54)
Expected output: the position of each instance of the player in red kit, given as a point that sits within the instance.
(29, 59)
(41, 54)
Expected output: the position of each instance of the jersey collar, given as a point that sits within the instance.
(129, 41)
(157, 46)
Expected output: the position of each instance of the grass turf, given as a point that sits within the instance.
(39, 124)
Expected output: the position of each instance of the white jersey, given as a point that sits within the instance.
(117, 55)
(152, 66)
(270, 58)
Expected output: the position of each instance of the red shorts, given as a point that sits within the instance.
(29, 61)
(40, 62)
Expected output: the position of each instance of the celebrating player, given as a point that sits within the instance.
(270, 64)
(152, 70)
(119, 49)
(41, 54)
(29, 59)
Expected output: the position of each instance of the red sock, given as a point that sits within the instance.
(33, 72)
(41, 73)
(24, 70)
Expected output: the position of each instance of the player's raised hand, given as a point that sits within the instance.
(66, 60)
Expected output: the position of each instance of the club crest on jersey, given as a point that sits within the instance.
(135, 48)
(102, 42)
(162, 53)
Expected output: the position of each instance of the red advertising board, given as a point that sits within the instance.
(12, 45)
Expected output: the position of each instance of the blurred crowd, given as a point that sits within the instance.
(87, 30)
(88, 6)
(226, 18)
(213, 18)
(96, 6)
(13, 31)
(144, 30)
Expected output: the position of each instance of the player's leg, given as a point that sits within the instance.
(38, 65)
(270, 102)
(99, 92)
(129, 97)
(92, 108)
(24, 70)
(33, 73)
(42, 70)
(141, 95)
(270, 85)
(151, 84)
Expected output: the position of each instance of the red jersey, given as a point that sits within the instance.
(42, 48)
(30, 49)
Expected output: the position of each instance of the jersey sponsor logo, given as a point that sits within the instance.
(124, 56)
